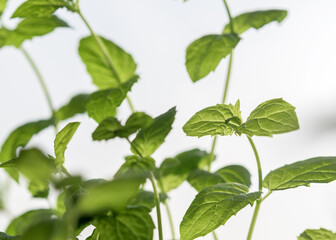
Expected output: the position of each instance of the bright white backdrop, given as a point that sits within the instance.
(294, 60)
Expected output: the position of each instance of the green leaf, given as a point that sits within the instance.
(52, 229)
(201, 179)
(137, 121)
(39, 8)
(110, 127)
(99, 68)
(174, 171)
(4, 236)
(135, 167)
(75, 106)
(213, 206)
(143, 199)
(39, 189)
(3, 36)
(20, 138)
(271, 117)
(221, 119)
(3, 4)
(313, 170)
(256, 20)
(235, 174)
(113, 195)
(60, 205)
(150, 138)
(317, 234)
(146, 199)
(103, 104)
(204, 54)
(61, 142)
(22, 223)
(33, 27)
(33, 164)
(131, 224)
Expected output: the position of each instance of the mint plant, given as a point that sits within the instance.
(120, 207)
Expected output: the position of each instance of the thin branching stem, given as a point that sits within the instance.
(41, 82)
(165, 202)
(105, 53)
(226, 87)
(258, 203)
(156, 193)
(214, 235)
(170, 218)
(230, 16)
(157, 204)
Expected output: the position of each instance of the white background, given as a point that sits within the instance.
(294, 60)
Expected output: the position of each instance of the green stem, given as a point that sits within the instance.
(212, 153)
(105, 53)
(40, 78)
(228, 77)
(230, 16)
(156, 193)
(254, 219)
(130, 104)
(266, 196)
(214, 235)
(257, 207)
(66, 172)
(226, 87)
(260, 178)
(157, 204)
(170, 218)
(41, 81)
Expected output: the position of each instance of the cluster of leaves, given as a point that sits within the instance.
(119, 208)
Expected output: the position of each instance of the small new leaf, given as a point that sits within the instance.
(174, 171)
(110, 127)
(271, 117)
(221, 119)
(131, 224)
(303, 173)
(235, 174)
(256, 20)
(150, 138)
(201, 179)
(39, 8)
(119, 69)
(103, 104)
(61, 142)
(75, 106)
(204, 54)
(317, 234)
(213, 206)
